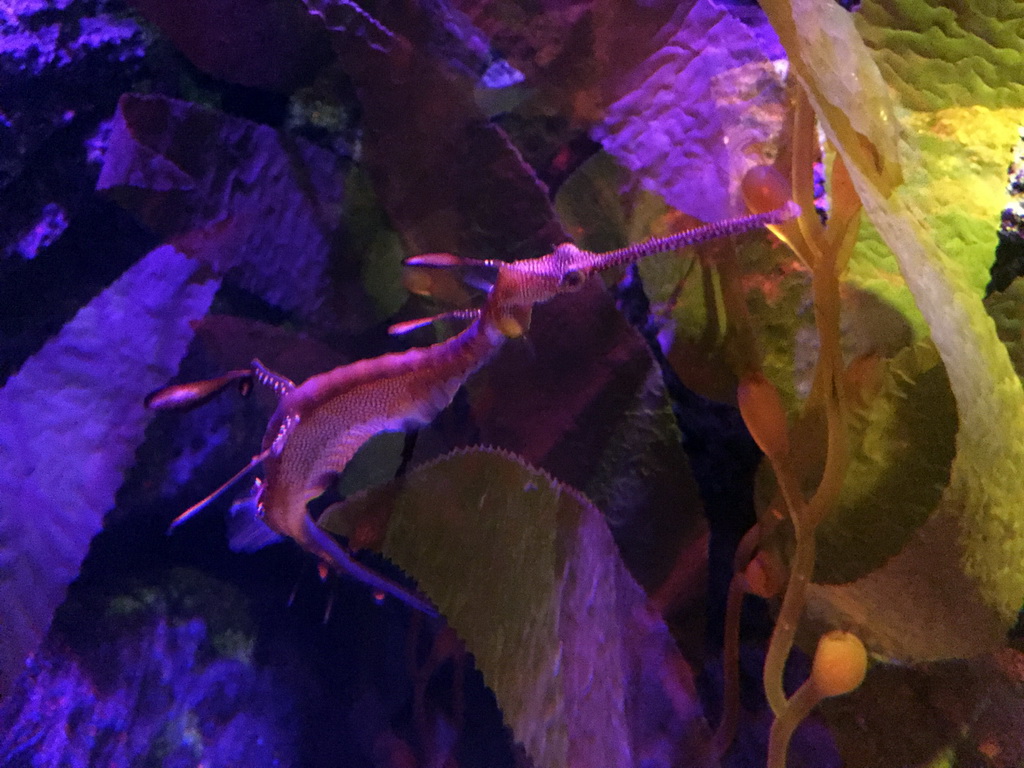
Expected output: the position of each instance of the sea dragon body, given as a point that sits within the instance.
(319, 426)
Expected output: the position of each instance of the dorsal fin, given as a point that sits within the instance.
(268, 378)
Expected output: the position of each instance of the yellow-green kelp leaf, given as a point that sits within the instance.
(901, 447)
(962, 568)
(961, 69)
(952, 153)
(843, 84)
(959, 182)
(957, 587)
(956, 185)
(525, 570)
(875, 270)
(937, 54)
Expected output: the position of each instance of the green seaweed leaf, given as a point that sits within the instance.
(955, 187)
(937, 54)
(958, 69)
(527, 573)
(901, 447)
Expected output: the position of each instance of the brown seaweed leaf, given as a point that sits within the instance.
(450, 181)
(952, 714)
(270, 44)
(72, 418)
(525, 570)
(241, 197)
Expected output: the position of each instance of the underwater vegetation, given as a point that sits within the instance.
(754, 501)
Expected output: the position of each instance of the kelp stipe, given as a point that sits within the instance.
(839, 666)
(824, 250)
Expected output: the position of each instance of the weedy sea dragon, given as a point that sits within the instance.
(320, 424)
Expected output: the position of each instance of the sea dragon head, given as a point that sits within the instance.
(514, 288)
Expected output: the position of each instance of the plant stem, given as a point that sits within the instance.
(726, 730)
(797, 708)
(787, 621)
(828, 388)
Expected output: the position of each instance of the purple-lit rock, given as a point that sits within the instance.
(33, 39)
(155, 675)
(63, 64)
